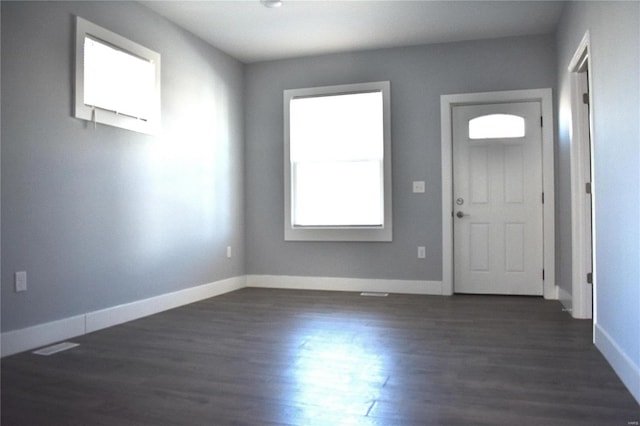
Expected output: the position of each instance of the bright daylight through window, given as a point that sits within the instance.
(497, 126)
(117, 80)
(338, 163)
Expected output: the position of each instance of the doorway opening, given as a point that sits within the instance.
(582, 185)
(497, 187)
(448, 103)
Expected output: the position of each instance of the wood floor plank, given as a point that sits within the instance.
(285, 357)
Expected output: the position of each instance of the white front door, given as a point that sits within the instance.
(497, 199)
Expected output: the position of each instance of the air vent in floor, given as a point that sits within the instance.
(54, 349)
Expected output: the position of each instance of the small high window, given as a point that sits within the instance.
(117, 80)
(496, 126)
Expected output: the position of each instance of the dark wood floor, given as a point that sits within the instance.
(277, 357)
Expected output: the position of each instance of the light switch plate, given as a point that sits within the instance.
(418, 186)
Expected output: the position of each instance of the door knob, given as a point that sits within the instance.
(460, 214)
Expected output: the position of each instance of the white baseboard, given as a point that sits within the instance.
(44, 334)
(67, 328)
(345, 284)
(565, 298)
(120, 314)
(622, 363)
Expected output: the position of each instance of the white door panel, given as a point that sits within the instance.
(498, 204)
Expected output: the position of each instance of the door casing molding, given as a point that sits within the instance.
(582, 248)
(447, 102)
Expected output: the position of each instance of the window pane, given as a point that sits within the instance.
(338, 194)
(117, 81)
(339, 127)
(496, 126)
(337, 147)
(337, 163)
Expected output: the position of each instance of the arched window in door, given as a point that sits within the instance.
(496, 126)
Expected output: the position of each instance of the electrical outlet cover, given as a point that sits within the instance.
(422, 252)
(21, 281)
(418, 186)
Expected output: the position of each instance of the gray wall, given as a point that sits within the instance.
(615, 77)
(418, 75)
(100, 217)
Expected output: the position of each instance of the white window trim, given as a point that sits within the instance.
(85, 28)
(378, 233)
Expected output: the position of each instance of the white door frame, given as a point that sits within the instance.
(447, 102)
(582, 247)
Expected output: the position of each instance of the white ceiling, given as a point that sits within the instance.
(250, 32)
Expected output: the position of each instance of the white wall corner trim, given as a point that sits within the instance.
(345, 284)
(44, 334)
(447, 102)
(622, 363)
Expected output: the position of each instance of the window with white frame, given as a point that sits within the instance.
(338, 163)
(117, 80)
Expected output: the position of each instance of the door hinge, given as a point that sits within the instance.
(585, 98)
(590, 278)
(587, 187)
(543, 198)
(541, 122)
(543, 275)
